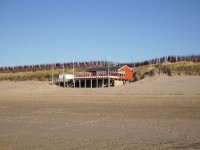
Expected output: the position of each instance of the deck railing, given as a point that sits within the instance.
(95, 74)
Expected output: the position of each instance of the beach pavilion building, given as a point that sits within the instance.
(101, 77)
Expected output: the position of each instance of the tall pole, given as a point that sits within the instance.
(52, 72)
(63, 68)
(73, 74)
(109, 72)
(63, 75)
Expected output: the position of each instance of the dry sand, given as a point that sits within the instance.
(155, 113)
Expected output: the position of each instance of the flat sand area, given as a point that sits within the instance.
(158, 112)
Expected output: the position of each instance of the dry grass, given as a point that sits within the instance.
(45, 75)
(178, 68)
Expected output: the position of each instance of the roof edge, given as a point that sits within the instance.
(126, 66)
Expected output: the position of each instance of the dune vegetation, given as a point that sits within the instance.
(176, 68)
(45, 75)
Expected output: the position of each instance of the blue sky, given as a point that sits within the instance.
(49, 31)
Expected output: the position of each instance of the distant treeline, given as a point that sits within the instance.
(55, 66)
(172, 59)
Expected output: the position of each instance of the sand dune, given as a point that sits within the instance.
(158, 85)
(159, 112)
(167, 85)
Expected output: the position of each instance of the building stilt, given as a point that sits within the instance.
(97, 83)
(79, 83)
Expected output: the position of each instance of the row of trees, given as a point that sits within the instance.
(172, 59)
(55, 66)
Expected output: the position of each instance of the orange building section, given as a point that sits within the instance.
(128, 73)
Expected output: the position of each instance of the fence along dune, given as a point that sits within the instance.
(87, 64)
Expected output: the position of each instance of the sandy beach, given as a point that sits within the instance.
(158, 112)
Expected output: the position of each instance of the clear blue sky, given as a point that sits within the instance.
(49, 31)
